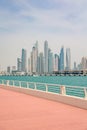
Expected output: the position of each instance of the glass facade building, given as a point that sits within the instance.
(68, 59)
(24, 61)
(61, 60)
(46, 57)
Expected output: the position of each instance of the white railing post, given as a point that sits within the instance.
(63, 90)
(46, 87)
(85, 92)
(35, 86)
(7, 82)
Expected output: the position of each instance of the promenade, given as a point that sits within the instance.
(19, 111)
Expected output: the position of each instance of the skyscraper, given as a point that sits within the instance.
(46, 57)
(34, 58)
(41, 63)
(24, 61)
(68, 59)
(84, 63)
(8, 69)
(61, 66)
(56, 62)
(75, 66)
(29, 65)
(50, 61)
(19, 64)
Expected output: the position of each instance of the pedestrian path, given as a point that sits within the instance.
(24, 112)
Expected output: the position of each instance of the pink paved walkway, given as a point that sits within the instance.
(24, 112)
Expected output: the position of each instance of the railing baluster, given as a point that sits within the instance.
(63, 90)
(7, 82)
(46, 87)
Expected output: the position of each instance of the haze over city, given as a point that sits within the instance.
(60, 22)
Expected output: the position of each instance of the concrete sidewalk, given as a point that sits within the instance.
(24, 112)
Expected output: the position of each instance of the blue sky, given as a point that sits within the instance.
(61, 22)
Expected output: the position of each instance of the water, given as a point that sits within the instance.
(62, 80)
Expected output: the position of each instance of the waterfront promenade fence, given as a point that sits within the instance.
(65, 90)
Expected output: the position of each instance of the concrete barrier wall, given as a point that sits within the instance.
(77, 102)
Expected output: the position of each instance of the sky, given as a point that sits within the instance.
(60, 22)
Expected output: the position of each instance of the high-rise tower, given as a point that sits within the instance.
(62, 59)
(19, 63)
(56, 62)
(46, 57)
(24, 61)
(41, 63)
(50, 61)
(68, 59)
(84, 63)
(34, 58)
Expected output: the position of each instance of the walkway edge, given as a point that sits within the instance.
(73, 101)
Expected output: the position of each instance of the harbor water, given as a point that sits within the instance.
(62, 80)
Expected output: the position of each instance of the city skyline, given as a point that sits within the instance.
(22, 61)
(46, 62)
(61, 22)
